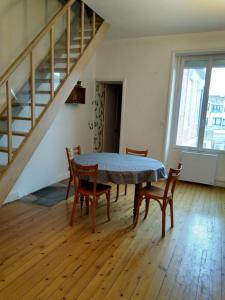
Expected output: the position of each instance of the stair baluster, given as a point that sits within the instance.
(82, 29)
(9, 120)
(32, 84)
(68, 40)
(52, 54)
(93, 24)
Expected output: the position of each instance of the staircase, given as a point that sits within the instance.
(39, 81)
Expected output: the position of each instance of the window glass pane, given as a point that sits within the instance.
(214, 137)
(192, 89)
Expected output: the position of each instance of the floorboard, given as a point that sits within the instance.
(42, 257)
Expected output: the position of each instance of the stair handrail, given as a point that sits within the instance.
(34, 42)
(29, 52)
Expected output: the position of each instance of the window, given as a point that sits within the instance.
(217, 108)
(217, 122)
(200, 117)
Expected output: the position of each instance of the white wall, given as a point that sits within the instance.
(20, 22)
(48, 164)
(146, 65)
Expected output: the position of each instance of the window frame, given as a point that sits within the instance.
(223, 123)
(217, 110)
(216, 119)
(181, 58)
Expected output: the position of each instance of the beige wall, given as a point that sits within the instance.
(20, 22)
(146, 65)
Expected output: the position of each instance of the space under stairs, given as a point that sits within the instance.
(39, 81)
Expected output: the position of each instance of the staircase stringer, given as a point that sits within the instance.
(23, 155)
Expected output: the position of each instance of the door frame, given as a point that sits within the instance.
(122, 81)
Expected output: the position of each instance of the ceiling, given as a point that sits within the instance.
(139, 18)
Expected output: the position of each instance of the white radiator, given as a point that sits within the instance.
(198, 167)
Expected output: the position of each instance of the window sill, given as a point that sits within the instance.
(196, 150)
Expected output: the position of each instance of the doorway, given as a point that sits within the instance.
(107, 116)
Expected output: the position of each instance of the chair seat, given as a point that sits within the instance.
(153, 192)
(87, 188)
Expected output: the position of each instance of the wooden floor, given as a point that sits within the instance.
(42, 257)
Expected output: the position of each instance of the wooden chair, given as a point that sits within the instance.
(143, 153)
(71, 152)
(162, 196)
(89, 189)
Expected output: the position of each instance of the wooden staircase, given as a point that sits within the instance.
(33, 100)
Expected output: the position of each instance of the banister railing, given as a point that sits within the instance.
(34, 42)
(80, 40)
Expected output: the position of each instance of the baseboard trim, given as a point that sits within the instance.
(12, 197)
(220, 181)
(15, 196)
(63, 176)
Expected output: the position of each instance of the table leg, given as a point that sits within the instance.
(137, 187)
(148, 184)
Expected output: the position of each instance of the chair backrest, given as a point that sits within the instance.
(172, 180)
(70, 153)
(85, 173)
(143, 153)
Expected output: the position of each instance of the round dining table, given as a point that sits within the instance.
(124, 169)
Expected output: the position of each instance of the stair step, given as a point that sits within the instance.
(5, 149)
(88, 23)
(63, 50)
(43, 92)
(87, 29)
(64, 60)
(36, 92)
(2, 169)
(4, 118)
(17, 133)
(47, 70)
(27, 104)
(43, 80)
(75, 40)
(76, 36)
(58, 60)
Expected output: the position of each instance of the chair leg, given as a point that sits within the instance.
(147, 201)
(73, 215)
(87, 205)
(125, 191)
(117, 192)
(108, 204)
(93, 212)
(81, 204)
(163, 221)
(171, 213)
(137, 211)
(68, 186)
